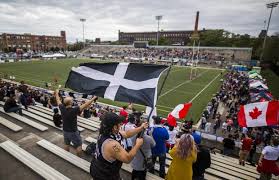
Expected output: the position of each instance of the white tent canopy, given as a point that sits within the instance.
(55, 55)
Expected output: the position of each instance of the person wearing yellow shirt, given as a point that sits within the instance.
(184, 154)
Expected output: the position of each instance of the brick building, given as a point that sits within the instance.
(174, 37)
(10, 42)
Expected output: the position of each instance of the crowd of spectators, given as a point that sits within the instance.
(133, 142)
(233, 93)
(144, 146)
(156, 53)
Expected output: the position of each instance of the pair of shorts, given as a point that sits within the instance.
(243, 155)
(73, 137)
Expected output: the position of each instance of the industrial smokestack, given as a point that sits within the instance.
(197, 22)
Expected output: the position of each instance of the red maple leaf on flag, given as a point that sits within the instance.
(255, 113)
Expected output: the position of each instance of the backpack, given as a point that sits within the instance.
(91, 149)
(147, 162)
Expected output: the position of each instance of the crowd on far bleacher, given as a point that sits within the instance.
(156, 53)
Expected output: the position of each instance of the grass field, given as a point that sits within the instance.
(177, 89)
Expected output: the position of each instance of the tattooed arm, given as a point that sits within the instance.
(116, 151)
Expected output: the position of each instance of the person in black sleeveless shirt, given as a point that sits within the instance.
(110, 154)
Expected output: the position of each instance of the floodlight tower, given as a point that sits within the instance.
(158, 18)
(82, 20)
(269, 6)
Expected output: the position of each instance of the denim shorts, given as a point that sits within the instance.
(73, 137)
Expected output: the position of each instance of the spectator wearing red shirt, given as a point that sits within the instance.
(245, 149)
(124, 113)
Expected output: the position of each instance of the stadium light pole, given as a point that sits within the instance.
(269, 6)
(158, 18)
(82, 20)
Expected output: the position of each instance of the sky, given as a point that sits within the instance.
(105, 17)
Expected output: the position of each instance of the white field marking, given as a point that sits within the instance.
(203, 89)
(19, 73)
(189, 93)
(165, 106)
(17, 76)
(182, 84)
(197, 84)
(164, 110)
(176, 70)
(183, 92)
(200, 67)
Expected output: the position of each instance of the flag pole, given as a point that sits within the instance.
(160, 90)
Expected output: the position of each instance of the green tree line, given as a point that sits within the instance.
(222, 38)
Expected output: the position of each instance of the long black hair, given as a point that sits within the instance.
(108, 120)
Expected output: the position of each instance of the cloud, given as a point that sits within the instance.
(105, 17)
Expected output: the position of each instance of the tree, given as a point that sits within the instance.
(271, 52)
(52, 49)
(56, 49)
(163, 41)
(75, 47)
(152, 42)
(213, 38)
(114, 43)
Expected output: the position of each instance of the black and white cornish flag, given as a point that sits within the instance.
(127, 82)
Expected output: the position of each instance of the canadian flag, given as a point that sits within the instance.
(259, 114)
(179, 112)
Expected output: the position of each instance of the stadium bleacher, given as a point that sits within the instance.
(222, 167)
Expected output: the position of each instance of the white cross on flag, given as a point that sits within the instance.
(127, 82)
(259, 114)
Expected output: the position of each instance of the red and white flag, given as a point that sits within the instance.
(171, 120)
(179, 112)
(259, 114)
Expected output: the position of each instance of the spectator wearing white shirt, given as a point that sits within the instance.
(203, 122)
(224, 127)
(172, 136)
(128, 143)
(244, 130)
(207, 127)
(267, 161)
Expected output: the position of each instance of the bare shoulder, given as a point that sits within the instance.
(116, 147)
(113, 146)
